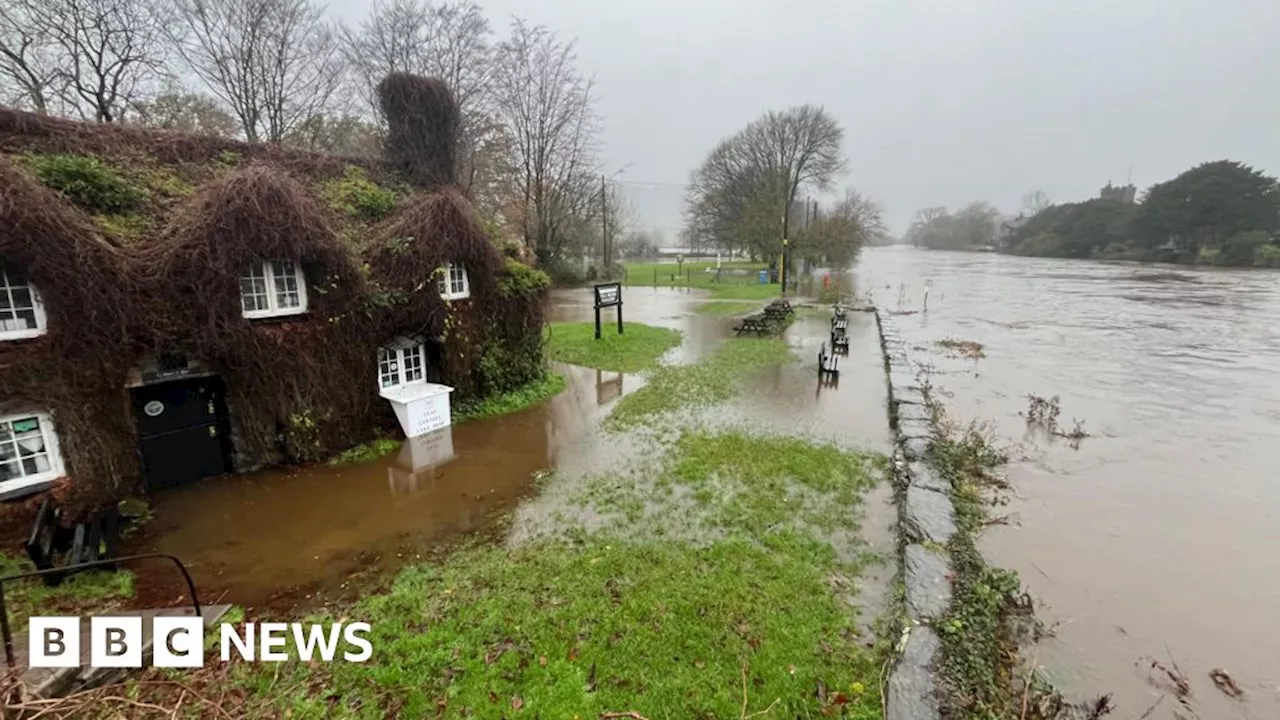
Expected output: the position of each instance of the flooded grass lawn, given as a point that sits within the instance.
(636, 348)
(685, 556)
(728, 307)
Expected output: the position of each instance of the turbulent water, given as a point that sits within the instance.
(1157, 538)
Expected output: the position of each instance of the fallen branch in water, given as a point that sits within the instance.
(1226, 683)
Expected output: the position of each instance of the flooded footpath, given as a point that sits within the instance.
(1153, 540)
(294, 538)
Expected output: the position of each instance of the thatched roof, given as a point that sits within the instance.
(253, 215)
(61, 252)
(22, 131)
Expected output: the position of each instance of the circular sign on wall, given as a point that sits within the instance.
(153, 408)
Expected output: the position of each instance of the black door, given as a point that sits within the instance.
(181, 430)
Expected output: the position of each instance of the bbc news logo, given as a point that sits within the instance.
(117, 642)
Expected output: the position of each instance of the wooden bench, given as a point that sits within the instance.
(839, 342)
(52, 545)
(828, 364)
(758, 324)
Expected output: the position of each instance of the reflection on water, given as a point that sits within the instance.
(1157, 536)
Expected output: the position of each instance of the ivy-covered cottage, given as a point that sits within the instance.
(174, 307)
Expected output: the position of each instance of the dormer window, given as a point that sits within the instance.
(273, 288)
(454, 284)
(21, 312)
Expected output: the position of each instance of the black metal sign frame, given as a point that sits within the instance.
(608, 295)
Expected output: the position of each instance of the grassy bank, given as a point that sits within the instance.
(637, 348)
(701, 275)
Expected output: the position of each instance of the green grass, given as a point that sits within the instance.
(713, 380)
(80, 594)
(694, 274)
(727, 307)
(549, 386)
(637, 348)
(620, 620)
(366, 452)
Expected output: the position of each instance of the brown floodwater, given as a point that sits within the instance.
(1156, 538)
(288, 538)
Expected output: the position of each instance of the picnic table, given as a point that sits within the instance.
(758, 323)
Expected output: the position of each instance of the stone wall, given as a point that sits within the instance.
(926, 524)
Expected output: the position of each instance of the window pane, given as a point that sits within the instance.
(284, 273)
(31, 444)
(9, 471)
(26, 320)
(253, 289)
(34, 465)
(8, 451)
(413, 364)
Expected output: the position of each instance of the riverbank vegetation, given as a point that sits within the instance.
(638, 346)
(1217, 213)
(991, 618)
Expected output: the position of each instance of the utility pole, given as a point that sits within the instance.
(604, 225)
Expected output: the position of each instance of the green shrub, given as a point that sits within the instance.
(1267, 256)
(87, 182)
(516, 279)
(1242, 248)
(354, 195)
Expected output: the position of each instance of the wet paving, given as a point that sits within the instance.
(292, 538)
(1155, 539)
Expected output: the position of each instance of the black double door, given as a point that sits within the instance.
(181, 430)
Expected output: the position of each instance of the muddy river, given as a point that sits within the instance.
(1156, 538)
(291, 539)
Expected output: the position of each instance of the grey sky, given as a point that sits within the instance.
(942, 102)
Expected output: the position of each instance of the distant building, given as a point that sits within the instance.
(1123, 193)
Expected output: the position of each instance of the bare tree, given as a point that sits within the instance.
(276, 63)
(93, 57)
(738, 198)
(1034, 202)
(547, 108)
(28, 63)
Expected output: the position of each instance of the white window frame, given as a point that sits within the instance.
(273, 309)
(395, 364)
(52, 451)
(37, 308)
(454, 283)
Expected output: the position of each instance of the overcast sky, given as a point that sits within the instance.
(942, 102)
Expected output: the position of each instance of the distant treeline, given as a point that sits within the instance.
(1218, 213)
